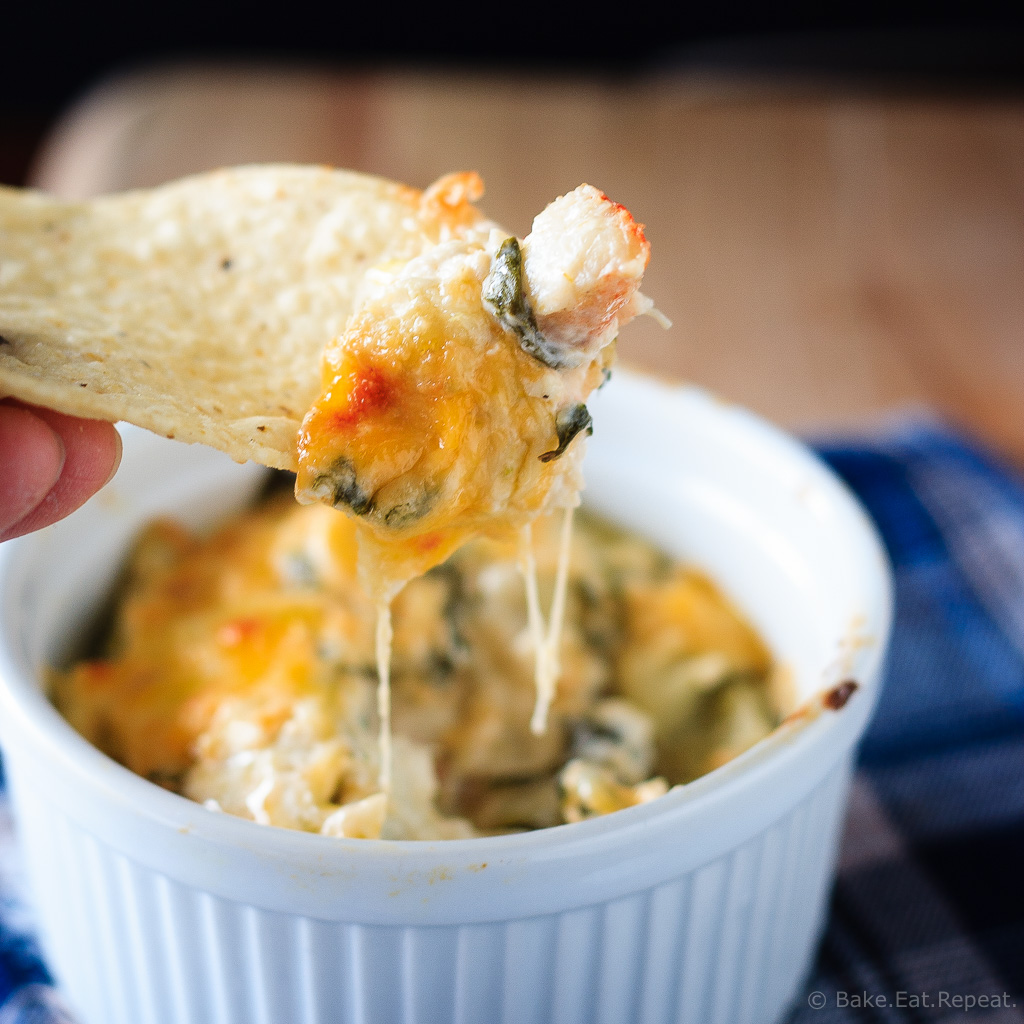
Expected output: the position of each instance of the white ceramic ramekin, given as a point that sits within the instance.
(701, 907)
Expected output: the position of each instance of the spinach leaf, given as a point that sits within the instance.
(568, 423)
(503, 292)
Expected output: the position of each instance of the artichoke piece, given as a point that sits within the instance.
(618, 736)
(589, 790)
(518, 805)
(728, 721)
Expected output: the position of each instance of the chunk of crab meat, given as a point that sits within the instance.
(582, 266)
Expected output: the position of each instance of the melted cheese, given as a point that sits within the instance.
(450, 403)
(241, 667)
(548, 661)
(385, 635)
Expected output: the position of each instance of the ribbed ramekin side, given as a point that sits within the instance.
(53, 868)
(726, 944)
(792, 894)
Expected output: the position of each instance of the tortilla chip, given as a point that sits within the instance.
(199, 309)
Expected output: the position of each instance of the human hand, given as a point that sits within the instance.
(49, 465)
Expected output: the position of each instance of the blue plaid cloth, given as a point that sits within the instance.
(927, 919)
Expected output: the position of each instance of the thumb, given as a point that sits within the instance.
(31, 460)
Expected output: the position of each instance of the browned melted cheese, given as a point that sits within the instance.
(240, 672)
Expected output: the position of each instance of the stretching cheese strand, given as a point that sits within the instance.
(546, 642)
(534, 617)
(558, 607)
(384, 637)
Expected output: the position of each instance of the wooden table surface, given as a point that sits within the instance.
(824, 257)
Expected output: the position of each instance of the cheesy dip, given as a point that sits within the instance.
(239, 669)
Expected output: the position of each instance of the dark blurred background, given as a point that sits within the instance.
(53, 52)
